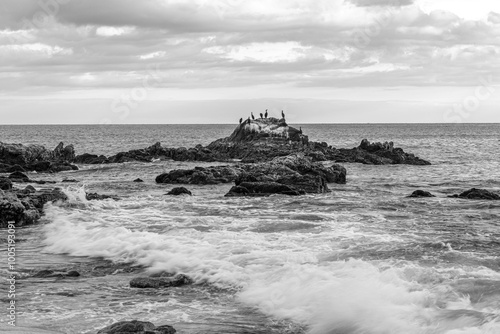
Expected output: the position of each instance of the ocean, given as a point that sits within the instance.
(363, 259)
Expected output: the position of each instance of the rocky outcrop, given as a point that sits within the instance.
(420, 193)
(477, 194)
(25, 207)
(379, 154)
(17, 157)
(136, 327)
(294, 174)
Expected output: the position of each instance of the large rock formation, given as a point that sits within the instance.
(477, 194)
(294, 174)
(26, 206)
(17, 157)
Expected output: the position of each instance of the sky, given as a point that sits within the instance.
(214, 61)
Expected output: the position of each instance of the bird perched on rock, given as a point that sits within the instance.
(265, 114)
(253, 117)
(282, 114)
(300, 129)
(261, 116)
(248, 119)
(241, 120)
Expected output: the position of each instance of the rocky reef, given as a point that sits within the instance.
(260, 140)
(18, 157)
(294, 174)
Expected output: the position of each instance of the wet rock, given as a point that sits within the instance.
(138, 180)
(262, 189)
(25, 207)
(179, 191)
(29, 189)
(421, 193)
(135, 326)
(70, 181)
(98, 197)
(477, 194)
(19, 177)
(56, 274)
(5, 183)
(160, 282)
(201, 175)
(90, 159)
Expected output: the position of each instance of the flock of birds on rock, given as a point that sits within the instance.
(261, 116)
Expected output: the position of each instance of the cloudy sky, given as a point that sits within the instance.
(214, 61)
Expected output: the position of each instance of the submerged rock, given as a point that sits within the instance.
(56, 274)
(135, 326)
(98, 197)
(139, 180)
(421, 193)
(477, 194)
(179, 191)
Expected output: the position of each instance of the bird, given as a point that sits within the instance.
(248, 119)
(282, 114)
(300, 130)
(241, 120)
(253, 117)
(261, 116)
(265, 113)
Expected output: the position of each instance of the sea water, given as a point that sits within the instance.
(363, 259)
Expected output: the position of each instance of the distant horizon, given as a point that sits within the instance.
(300, 123)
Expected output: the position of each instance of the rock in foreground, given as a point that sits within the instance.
(421, 193)
(26, 207)
(294, 174)
(135, 326)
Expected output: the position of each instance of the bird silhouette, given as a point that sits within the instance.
(261, 116)
(248, 119)
(282, 114)
(265, 114)
(300, 130)
(241, 120)
(253, 117)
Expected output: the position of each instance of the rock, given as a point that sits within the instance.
(56, 274)
(70, 181)
(5, 183)
(98, 197)
(134, 326)
(160, 282)
(19, 177)
(201, 175)
(138, 180)
(262, 189)
(421, 193)
(25, 207)
(90, 159)
(29, 189)
(477, 194)
(179, 191)
(379, 154)
(36, 157)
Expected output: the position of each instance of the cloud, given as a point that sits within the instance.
(393, 3)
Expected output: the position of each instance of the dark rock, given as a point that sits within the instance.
(138, 180)
(56, 274)
(201, 175)
(262, 189)
(5, 183)
(70, 181)
(25, 207)
(98, 197)
(421, 193)
(160, 282)
(179, 191)
(90, 159)
(29, 189)
(379, 154)
(19, 177)
(139, 327)
(477, 194)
